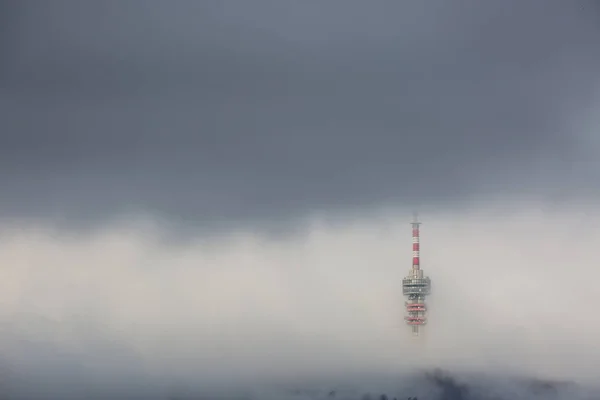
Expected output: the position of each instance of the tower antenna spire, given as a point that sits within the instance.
(416, 252)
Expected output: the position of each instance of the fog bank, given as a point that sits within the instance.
(513, 292)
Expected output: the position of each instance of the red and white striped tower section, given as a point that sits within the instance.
(415, 286)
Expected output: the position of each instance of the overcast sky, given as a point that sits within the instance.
(267, 110)
(241, 113)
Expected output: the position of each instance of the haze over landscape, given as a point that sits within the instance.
(214, 197)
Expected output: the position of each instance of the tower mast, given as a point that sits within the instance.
(416, 286)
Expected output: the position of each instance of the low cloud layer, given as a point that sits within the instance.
(514, 291)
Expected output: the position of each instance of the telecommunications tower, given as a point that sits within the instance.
(415, 286)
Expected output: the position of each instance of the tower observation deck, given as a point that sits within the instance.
(416, 286)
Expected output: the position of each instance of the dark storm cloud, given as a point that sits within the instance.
(234, 110)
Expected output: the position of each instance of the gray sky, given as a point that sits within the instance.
(267, 110)
(242, 113)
